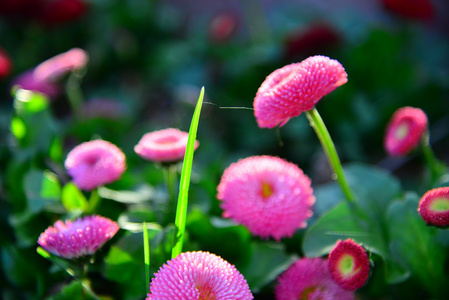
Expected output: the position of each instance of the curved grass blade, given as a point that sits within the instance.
(181, 210)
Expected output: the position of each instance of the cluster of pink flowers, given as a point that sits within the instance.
(44, 78)
(79, 238)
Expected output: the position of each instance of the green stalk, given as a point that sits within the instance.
(146, 251)
(436, 168)
(74, 93)
(170, 179)
(326, 141)
(181, 210)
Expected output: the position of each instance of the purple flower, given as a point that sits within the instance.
(405, 130)
(309, 278)
(78, 238)
(167, 145)
(349, 265)
(95, 163)
(198, 275)
(28, 81)
(434, 207)
(270, 196)
(295, 88)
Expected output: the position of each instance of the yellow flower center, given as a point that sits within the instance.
(346, 265)
(267, 190)
(401, 132)
(439, 204)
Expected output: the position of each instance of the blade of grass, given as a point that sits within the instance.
(181, 210)
(146, 251)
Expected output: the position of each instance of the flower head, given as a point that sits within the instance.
(315, 38)
(167, 145)
(295, 88)
(95, 163)
(223, 26)
(413, 9)
(198, 275)
(56, 12)
(405, 130)
(57, 66)
(309, 278)
(78, 238)
(5, 64)
(28, 81)
(349, 265)
(270, 196)
(434, 207)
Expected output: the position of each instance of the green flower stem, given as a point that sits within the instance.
(436, 167)
(170, 171)
(326, 141)
(74, 93)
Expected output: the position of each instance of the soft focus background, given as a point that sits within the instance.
(150, 59)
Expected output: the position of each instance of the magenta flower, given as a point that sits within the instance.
(5, 64)
(434, 207)
(309, 278)
(198, 275)
(78, 238)
(54, 68)
(28, 81)
(268, 195)
(349, 265)
(95, 163)
(405, 130)
(167, 145)
(295, 88)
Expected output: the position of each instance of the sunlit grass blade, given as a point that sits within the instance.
(146, 251)
(181, 210)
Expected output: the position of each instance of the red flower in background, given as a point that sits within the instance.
(223, 26)
(316, 38)
(61, 11)
(413, 9)
(5, 64)
(405, 130)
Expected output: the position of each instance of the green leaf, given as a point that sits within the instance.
(181, 210)
(268, 260)
(414, 244)
(73, 199)
(42, 190)
(72, 291)
(18, 128)
(28, 102)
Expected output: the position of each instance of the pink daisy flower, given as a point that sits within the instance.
(268, 195)
(309, 278)
(295, 88)
(57, 66)
(167, 145)
(434, 207)
(28, 81)
(405, 130)
(349, 265)
(95, 163)
(198, 275)
(78, 238)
